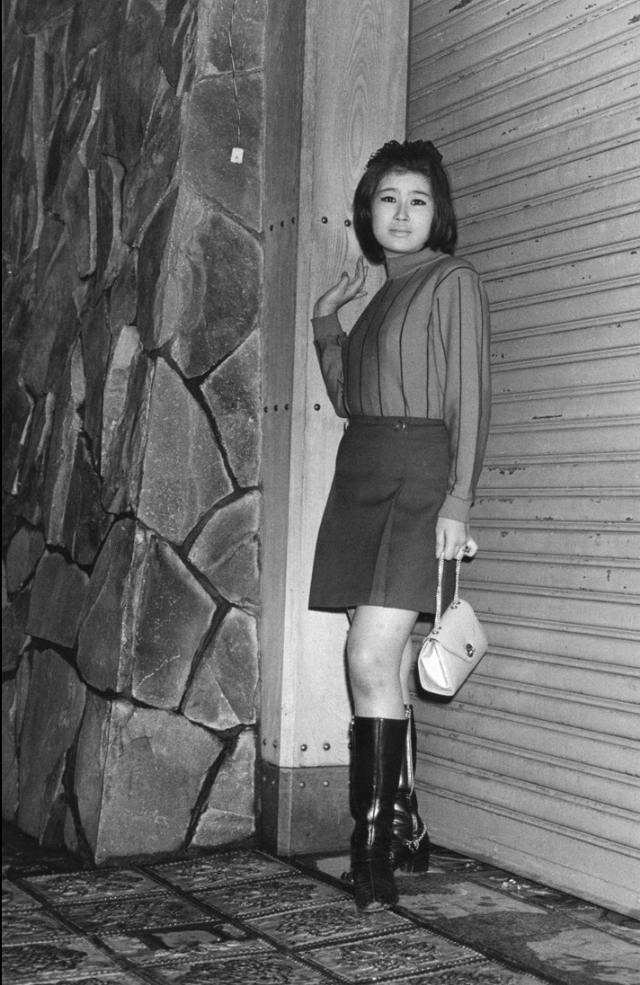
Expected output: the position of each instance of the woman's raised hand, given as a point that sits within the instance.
(344, 291)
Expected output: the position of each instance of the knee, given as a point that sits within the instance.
(369, 671)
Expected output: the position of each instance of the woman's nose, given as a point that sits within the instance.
(401, 211)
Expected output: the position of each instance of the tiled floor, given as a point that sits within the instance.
(242, 916)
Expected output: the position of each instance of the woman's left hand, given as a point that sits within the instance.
(346, 289)
(453, 540)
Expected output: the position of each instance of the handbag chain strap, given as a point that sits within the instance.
(456, 595)
(409, 751)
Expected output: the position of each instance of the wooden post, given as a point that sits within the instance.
(353, 100)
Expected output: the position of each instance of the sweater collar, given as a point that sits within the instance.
(406, 263)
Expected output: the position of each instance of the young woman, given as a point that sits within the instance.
(412, 377)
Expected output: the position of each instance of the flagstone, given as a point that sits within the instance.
(223, 691)
(53, 709)
(227, 550)
(233, 392)
(184, 474)
(57, 597)
(138, 775)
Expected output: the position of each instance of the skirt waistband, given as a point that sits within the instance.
(395, 423)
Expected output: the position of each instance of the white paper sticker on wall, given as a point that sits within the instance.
(237, 155)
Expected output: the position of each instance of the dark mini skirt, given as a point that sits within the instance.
(376, 543)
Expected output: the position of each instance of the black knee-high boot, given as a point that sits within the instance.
(377, 749)
(410, 842)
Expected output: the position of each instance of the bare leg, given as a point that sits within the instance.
(379, 660)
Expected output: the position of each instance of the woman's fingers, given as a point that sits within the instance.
(453, 540)
(344, 290)
(470, 549)
(451, 535)
(355, 285)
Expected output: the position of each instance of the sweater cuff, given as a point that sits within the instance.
(326, 326)
(455, 508)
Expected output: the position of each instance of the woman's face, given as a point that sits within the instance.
(402, 212)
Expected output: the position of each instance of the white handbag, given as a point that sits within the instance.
(455, 645)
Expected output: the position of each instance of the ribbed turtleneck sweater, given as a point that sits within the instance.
(419, 349)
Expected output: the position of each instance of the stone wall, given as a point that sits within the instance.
(132, 287)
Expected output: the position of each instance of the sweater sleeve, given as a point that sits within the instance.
(329, 339)
(462, 316)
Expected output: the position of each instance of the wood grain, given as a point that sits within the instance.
(328, 111)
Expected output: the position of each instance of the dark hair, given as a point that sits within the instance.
(411, 155)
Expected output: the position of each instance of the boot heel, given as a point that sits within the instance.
(412, 858)
(374, 887)
(414, 865)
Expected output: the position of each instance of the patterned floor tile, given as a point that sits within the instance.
(257, 968)
(487, 973)
(23, 854)
(272, 896)
(92, 885)
(336, 921)
(242, 917)
(161, 961)
(224, 869)
(71, 959)
(21, 925)
(117, 979)
(195, 941)
(112, 915)
(23, 869)
(408, 952)
(15, 898)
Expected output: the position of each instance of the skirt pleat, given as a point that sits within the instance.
(376, 542)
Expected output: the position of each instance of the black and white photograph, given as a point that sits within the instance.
(321, 489)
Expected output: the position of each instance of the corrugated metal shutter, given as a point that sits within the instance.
(535, 763)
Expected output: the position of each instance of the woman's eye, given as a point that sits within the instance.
(418, 201)
(387, 198)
